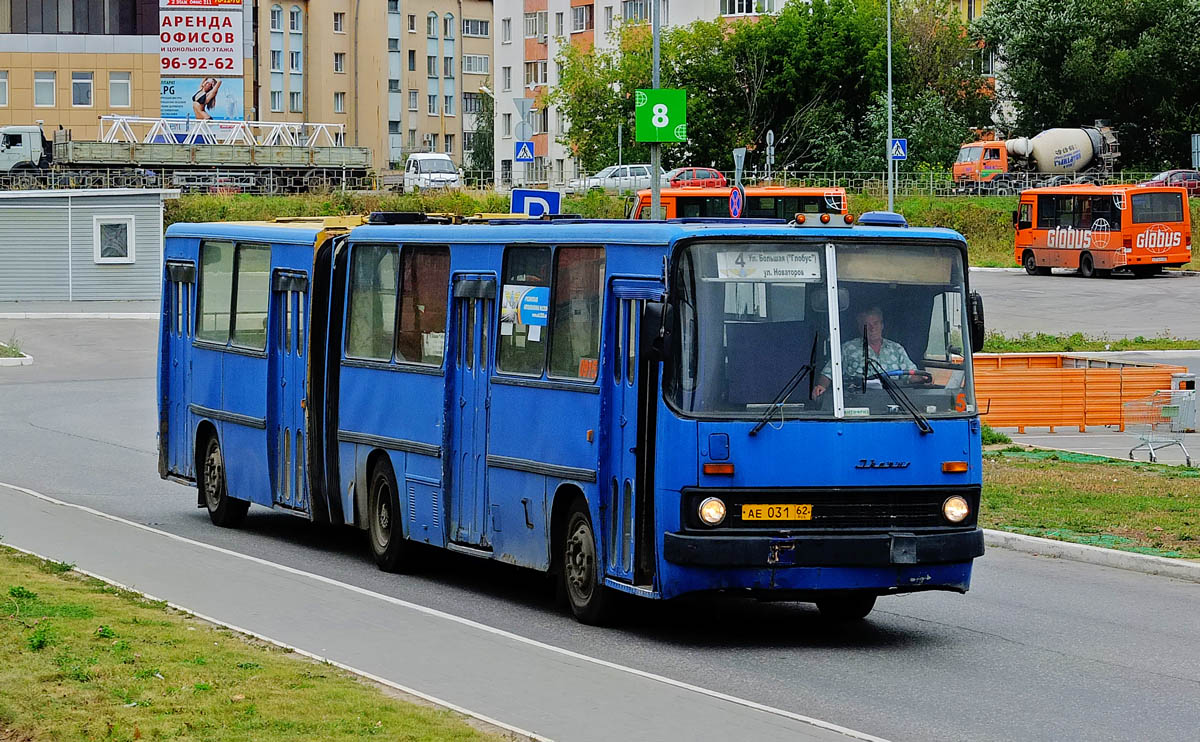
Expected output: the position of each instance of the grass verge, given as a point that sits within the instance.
(11, 349)
(80, 659)
(1075, 342)
(1126, 505)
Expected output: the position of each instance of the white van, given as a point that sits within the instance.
(425, 170)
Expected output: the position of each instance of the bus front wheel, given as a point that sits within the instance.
(847, 607)
(223, 510)
(1031, 266)
(387, 537)
(579, 568)
(1087, 266)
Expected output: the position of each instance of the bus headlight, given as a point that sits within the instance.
(955, 509)
(712, 511)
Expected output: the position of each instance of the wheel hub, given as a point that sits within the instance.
(580, 561)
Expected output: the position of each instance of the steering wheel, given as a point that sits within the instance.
(912, 378)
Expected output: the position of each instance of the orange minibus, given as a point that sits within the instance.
(762, 202)
(1100, 229)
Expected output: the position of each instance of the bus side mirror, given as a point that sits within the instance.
(655, 340)
(1016, 220)
(978, 332)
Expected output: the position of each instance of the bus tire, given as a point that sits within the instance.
(1087, 266)
(223, 510)
(846, 606)
(1031, 267)
(383, 518)
(579, 569)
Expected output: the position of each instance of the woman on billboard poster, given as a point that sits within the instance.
(206, 97)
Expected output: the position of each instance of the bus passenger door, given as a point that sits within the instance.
(474, 299)
(287, 397)
(175, 444)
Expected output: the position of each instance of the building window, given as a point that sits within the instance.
(393, 86)
(277, 60)
(536, 24)
(432, 110)
(412, 100)
(276, 18)
(120, 89)
(412, 60)
(431, 66)
(448, 26)
(476, 64)
(468, 141)
(431, 23)
(558, 24)
(43, 89)
(393, 127)
(506, 171)
(276, 100)
(472, 102)
(476, 27)
(449, 144)
(506, 31)
(638, 11)
(746, 7)
(506, 125)
(608, 17)
(433, 141)
(394, 45)
(339, 102)
(412, 23)
(81, 89)
(393, 6)
(506, 78)
(412, 138)
(295, 22)
(112, 239)
(449, 105)
(339, 22)
(535, 73)
(294, 60)
(296, 102)
(3, 87)
(339, 62)
(582, 18)
(448, 66)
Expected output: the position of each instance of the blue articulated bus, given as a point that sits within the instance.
(654, 408)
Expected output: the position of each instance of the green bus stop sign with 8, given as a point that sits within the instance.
(661, 115)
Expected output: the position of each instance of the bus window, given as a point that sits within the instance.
(1046, 212)
(425, 276)
(372, 323)
(575, 336)
(216, 290)
(253, 280)
(1157, 207)
(521, 347)
(1099, 212)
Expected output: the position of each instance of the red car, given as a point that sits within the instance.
(696, 177)
(1189, 179)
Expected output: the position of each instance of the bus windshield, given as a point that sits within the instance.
(750, 316)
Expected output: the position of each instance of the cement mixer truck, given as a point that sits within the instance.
(1054, 157)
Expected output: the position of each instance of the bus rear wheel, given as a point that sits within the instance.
(383, 503)
(846, 607)
(1031, 266)
(223, 510)
(579, 569)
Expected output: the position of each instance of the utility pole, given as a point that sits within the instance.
(891, 172)
(655, 147)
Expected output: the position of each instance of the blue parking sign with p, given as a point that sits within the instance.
(535, 202)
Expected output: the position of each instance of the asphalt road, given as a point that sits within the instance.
(1122, 306)
(1040, 649)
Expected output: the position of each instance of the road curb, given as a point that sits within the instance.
(1127, 560)
(79, 315)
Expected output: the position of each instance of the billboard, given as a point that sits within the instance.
(200, 42)
(219, 98)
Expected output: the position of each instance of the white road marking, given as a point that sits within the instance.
(853, 734)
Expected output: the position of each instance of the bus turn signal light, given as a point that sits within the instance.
(954, 467)
(849, 218)
(718, 468)
(800, 219)
(824, 218)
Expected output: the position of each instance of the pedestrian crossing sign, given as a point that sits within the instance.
(899, 149)
(524, 152)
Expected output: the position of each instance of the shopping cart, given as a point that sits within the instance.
(1156, 421)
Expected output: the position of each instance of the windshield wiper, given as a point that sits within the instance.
(899, 395)
(789, 387)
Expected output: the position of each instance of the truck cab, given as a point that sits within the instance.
(22, 147)
(980, 162)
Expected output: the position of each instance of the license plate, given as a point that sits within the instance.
(777, 512)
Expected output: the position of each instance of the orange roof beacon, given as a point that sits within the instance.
(762, 202)
(1100, 229)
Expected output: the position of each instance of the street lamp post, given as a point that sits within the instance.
(655, 147)
(891, 169)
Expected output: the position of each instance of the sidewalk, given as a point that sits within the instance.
(1106, 442)
(147, 309)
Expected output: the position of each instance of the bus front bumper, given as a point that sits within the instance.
(822, 550)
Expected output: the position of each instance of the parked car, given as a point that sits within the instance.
(426, 170)
(701, 177)
(617, 178)
(1189, 179)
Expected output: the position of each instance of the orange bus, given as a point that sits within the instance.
(1099, 229)
(762, 202)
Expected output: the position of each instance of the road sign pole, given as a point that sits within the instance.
(620, 142)
(655, 147)
(891, 178)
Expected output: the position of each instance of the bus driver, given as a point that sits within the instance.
(888, 353)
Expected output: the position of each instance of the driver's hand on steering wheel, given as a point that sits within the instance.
(818, 390)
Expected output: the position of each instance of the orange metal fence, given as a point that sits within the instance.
(1050, 390)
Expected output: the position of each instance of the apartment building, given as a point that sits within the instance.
(66, 62)
(530, 34)
(439, 65)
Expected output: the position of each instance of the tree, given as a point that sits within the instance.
(1135, 63)
(482, 160)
